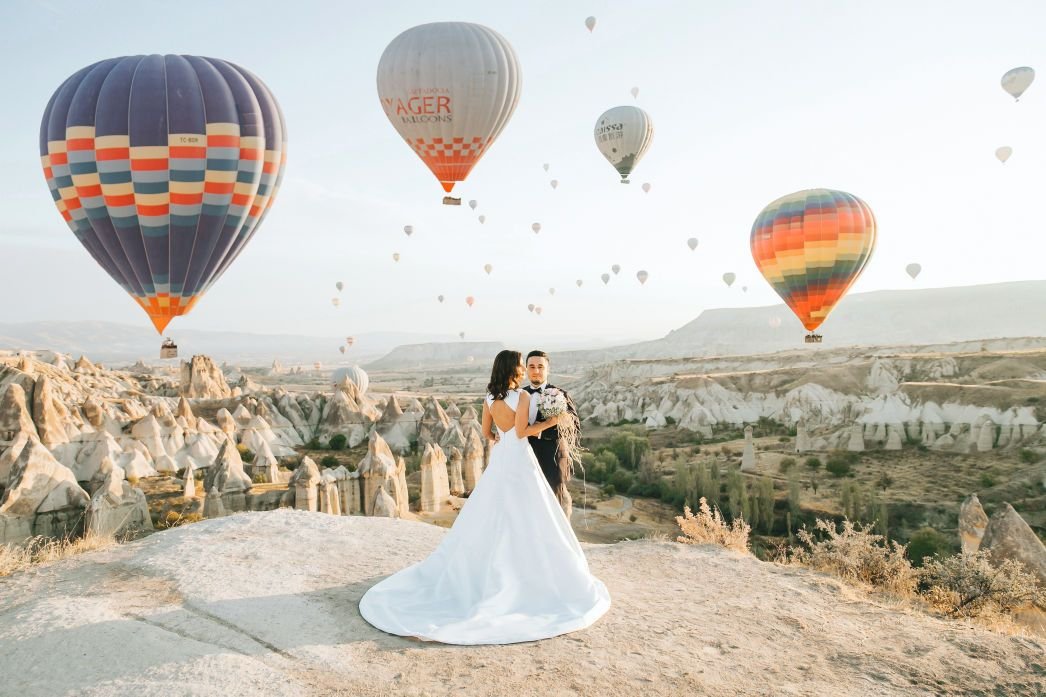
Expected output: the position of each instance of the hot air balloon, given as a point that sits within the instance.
(339, 285)
(913, 270)
(811, 246)
(606, 278)
(164, 167)
(729, 277)
(579, 283)
(554, 183)
(356, 375)
(551, 291)
(692, 243)
(623, 135)
(1003, 153)
(646, 187)
(642, 276)
(409, 229)
(440, 298)
(546, 165)
(482, 219)
(470, 300)
(531, 307)
(473, 203)
(635, 92)
(395, 256)
(1017, 80)
(461, 334)
(335, 301)
(590, 22)
(350, 340)
(616, 268)
(537, 309)
(449, 89)
(342, 349)
(488, 268)
(744, 289)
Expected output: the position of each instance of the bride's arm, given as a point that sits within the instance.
(523, 416)
(488, 422)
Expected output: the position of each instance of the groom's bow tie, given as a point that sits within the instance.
(531, 389)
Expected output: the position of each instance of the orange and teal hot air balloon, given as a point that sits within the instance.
(164, 167)
(811, 246)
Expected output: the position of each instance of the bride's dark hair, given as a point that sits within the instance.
(506, 363)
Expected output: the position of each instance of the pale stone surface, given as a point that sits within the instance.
(49, 414)
(305, 483)
(972, 522)
(457, 484)
(201, 379)
(15, 416)
(39, 484)
(856, 442)
(893, 438)
(473, 461)
(379, 470)
(116, 506)
(435, 483)
(1008, 536)
(748, 454)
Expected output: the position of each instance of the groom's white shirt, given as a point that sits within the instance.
(534, 403)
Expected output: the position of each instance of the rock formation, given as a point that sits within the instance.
(748, 455)
(201, 379)
(972, 522)
(435, 482)
(1008, 536)
(116, 506)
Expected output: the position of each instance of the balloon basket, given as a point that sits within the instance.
(168, 349)
(813, 338)
(451, 201)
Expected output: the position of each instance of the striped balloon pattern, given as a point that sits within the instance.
(163, 167)
(811, 246)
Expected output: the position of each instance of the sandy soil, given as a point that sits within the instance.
(266, 603)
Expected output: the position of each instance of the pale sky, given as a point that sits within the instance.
(898, 103)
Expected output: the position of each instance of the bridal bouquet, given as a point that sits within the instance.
(553, 402)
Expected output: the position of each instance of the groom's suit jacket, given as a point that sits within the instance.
(551, 433)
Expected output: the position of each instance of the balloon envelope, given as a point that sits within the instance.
(551, 291)
(590, 22)
(1016, 80)
(646, 187)
(395, 256)
(579, 283)
(537, 310)
(616, 268)
(913, 270)
(439, 297)
(461, 334)
(356, 376)
(623, 134)
(335, 302)
(488, 268)
(536, 227)
(554, 183)
(635, 92)
(342, 349)
(350, 340)
(339, 285)
(470, 300)
(642, 276)
(1003, 153)
(409, 229)
(692, 243)
(729, 277)
(473, 203)
(811, 246)
(545, 166)
(606, 278)
(163, 167)
(449, 89)
(531, 307)
(482, 219)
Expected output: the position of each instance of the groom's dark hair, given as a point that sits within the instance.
(539, 354)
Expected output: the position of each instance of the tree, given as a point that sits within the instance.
(766, 503)
(794, 503)
(338, 441)
(813, 464)
(885, 481)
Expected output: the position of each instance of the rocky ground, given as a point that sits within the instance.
(266, 603)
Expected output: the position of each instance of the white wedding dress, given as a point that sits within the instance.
(509, 570)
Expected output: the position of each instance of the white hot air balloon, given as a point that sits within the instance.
(409, 229)
(579, 283)
(635, 92)
(546, 166)
(488, 268)
(551, 291)
(342, 349)
(482, 219)
(642, 276)
(616, 268)
(395, 256)
(339, 285)
(461, 334)
(450, 84)
(729, 277)
(1017, 80)
(335, 302)
(590, 23)
(440, 298)
(554, 183)
(646, 187)
(473, 203)
(605, 278)
(536, 227)
(537, 309)
(1003, 153)
(531, 307)
(356, 375)
(692, 243)
(623, 134)
(913, 270)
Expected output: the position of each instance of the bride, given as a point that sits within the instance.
(511, 568)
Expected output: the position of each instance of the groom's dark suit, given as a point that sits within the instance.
(546, 444)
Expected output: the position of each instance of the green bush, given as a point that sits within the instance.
(838, 467)
(338, 442)
(986, 480)
(927, 542)
(329, 461)
(813, 463)
(621, 480)
(609, 490)
(314, 444)
(786, 464)
(246, 454)
(1028, 456)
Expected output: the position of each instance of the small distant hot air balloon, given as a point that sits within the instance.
(350, 340)
(395, 256)
(605, 278)
(473, 203)
(729, 277)
(449, 89)
(642, 276)
(488, 268)
(554, 183)
(616, 268)
(692, 243)
(470, 359)
(342, 349)
(409, 229)
(1017, 80)
(744, 289)
(551, 291)
(579, 283)
(470, 300)
(635, 92)
(1003, 153)
(623, 134)
(913, 270)
(335, 301)
(811, 246)
(546, 166)
(590, 22)
(440, 298)
(531, 307)
(536, 227)
(482, 219)
(646, 187)
(461, 335)
(339, 285)
(537, 309)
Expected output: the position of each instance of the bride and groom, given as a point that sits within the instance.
(510, 569)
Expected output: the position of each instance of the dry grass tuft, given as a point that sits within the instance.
(970, 585)
(709, 527)
(41, 550)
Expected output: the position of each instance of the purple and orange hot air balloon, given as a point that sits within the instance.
(163, 167)
(811, 246)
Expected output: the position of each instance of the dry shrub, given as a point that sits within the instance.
(40, 550)
(855, 554)
(970, 585)
(173, 519)
(709, 527)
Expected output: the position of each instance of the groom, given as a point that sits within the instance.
(555, 463)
